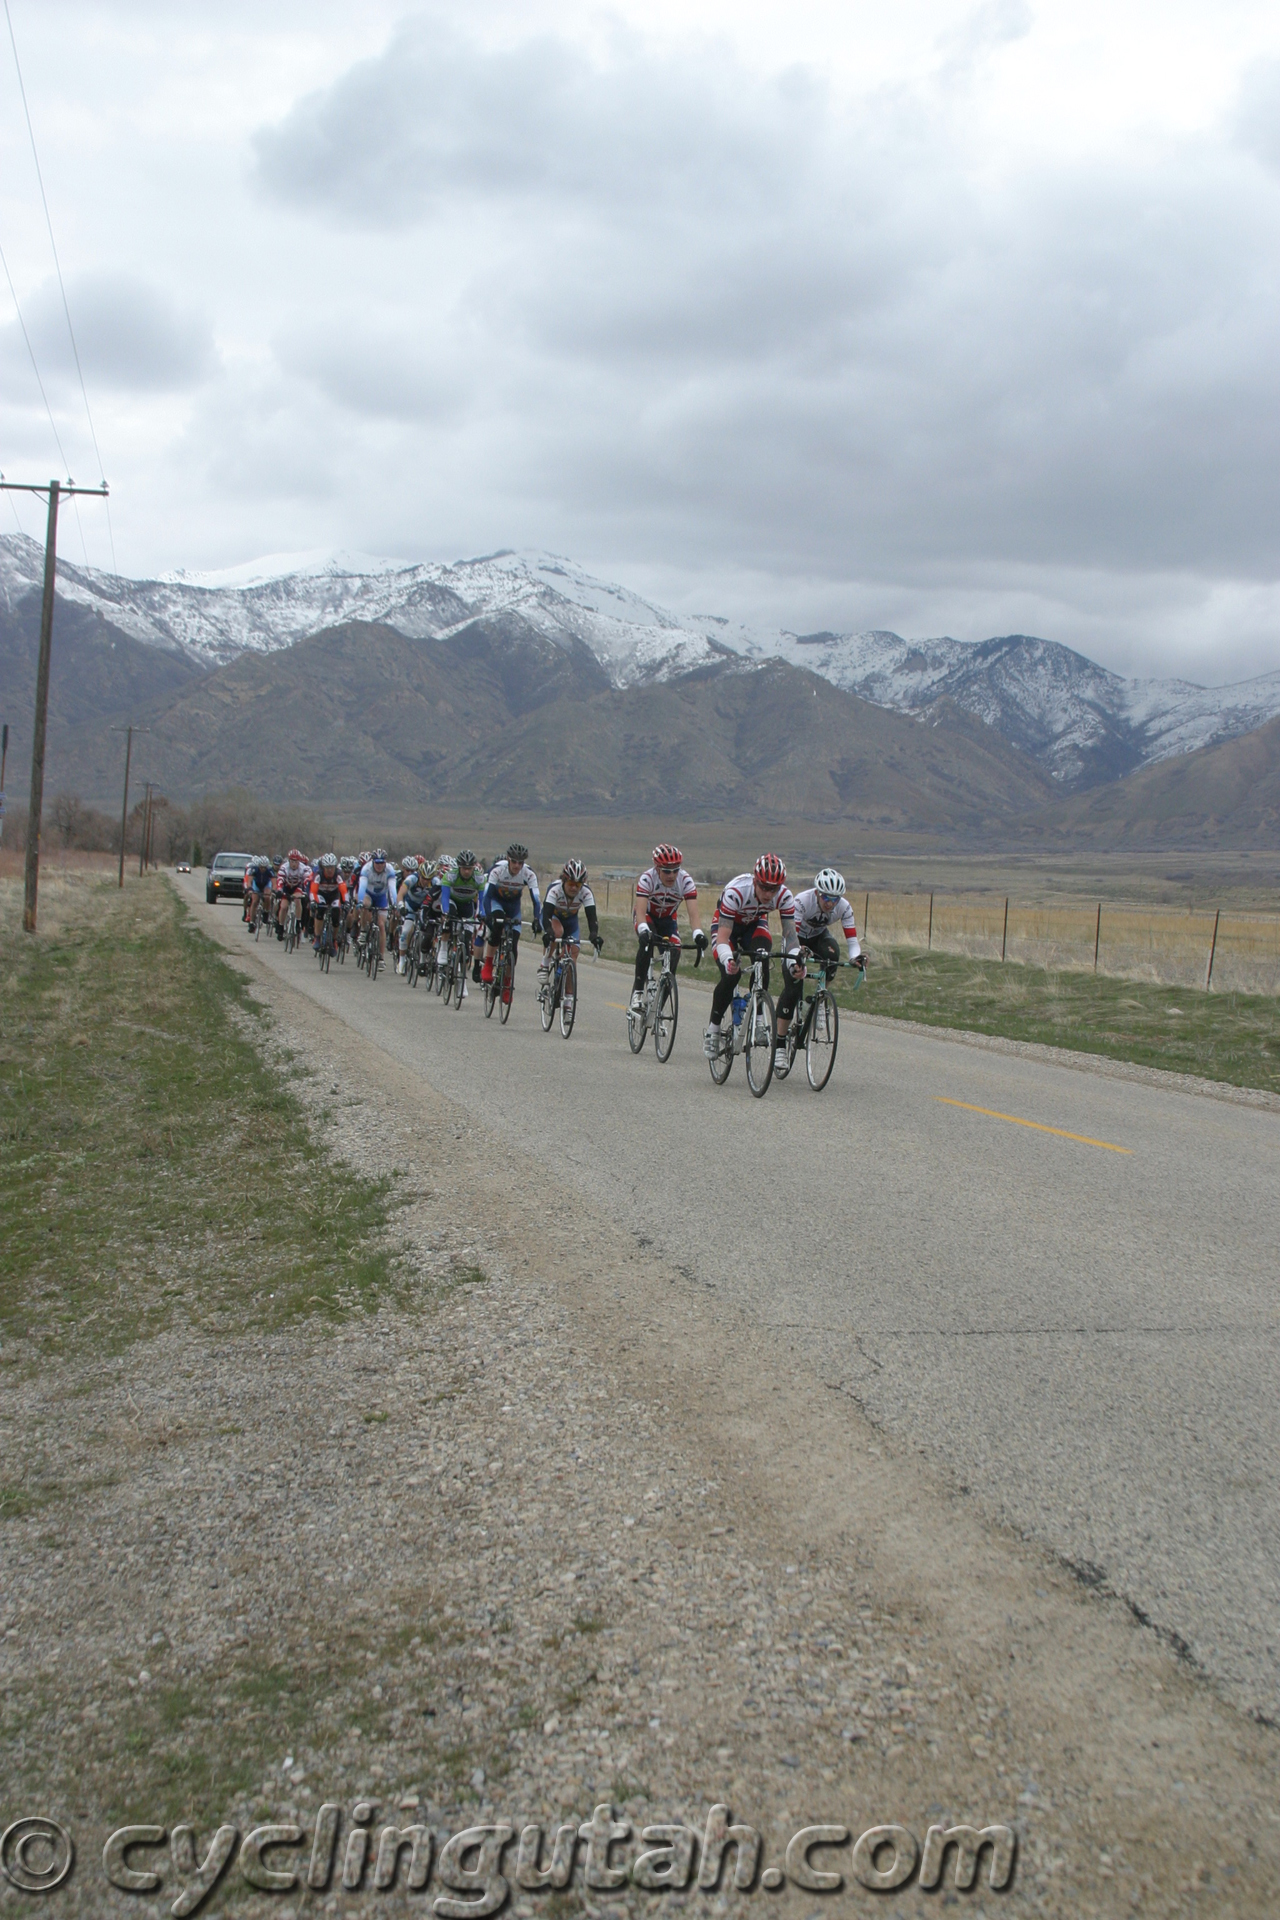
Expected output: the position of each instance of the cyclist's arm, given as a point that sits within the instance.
(593, 922)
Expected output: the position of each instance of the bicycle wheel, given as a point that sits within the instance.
(457, 981)
(507, 994)
(666, 1012)
(547, 999)
(824, 1032)
(762, 1029)
(414, 963)
(638, 1023)
(722, 1065)
(568, 997)
(375, 952)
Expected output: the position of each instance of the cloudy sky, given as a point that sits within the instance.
(938, 316)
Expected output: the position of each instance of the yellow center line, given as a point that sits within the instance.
(618, 1004)
(1038, 1125)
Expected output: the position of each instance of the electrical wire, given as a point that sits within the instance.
(34, 366)
(66, 308)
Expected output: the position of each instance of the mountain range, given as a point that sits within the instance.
(1083, 724)
(520, 680)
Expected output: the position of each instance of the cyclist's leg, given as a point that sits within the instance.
(791, 990)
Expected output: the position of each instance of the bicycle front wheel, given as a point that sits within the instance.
(762, 1028)
(507, 994)
(568, 997)
(721, 1064)
(824, 1032)
(665, 1015)
(638, 1023)
(457, 980)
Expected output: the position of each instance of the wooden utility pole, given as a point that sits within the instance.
(124, 810)
(4, 755)
(144, 827)
(1004, 937)
(56, 491)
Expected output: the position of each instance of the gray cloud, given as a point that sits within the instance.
(131, 336)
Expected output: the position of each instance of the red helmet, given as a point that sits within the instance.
(295, 857)
(769, 871)
(666, 855)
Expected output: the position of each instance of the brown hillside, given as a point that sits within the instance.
(1226, 795)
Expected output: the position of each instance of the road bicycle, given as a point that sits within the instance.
(261, 914)
(451, 978)
(328, 935)
(498, 990)
(753, 1032)
(659, 1002)
(292, 918)
(558, 988)
(818, 1032)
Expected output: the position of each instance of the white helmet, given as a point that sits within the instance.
(828, 881)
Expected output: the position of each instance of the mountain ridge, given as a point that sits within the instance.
(1084, 724)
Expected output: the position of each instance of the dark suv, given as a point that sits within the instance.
(225, 879)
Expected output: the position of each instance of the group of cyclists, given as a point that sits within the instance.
(455, 897)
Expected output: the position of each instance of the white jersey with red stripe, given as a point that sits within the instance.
(740, 907)
(660, 897)
(812, 918)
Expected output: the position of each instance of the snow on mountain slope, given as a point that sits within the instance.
(1083, 723)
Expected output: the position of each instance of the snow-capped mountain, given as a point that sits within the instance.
(1083, 723)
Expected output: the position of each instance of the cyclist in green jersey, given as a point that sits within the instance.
(459, 895)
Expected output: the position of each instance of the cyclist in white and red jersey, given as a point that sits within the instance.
(817, 910)
(294, 877)
(741, 926)
(656, 913)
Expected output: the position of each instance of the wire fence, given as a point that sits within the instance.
(1226, 951)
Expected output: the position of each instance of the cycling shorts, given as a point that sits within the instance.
(569, 921)
(510, 909)
(378, 901)
(664, 926)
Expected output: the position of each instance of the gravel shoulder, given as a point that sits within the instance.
(556, 1529)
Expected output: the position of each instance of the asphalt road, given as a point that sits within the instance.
(1085, 1338)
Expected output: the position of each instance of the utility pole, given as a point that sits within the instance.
(145, 827)
(4, 755)
(124, 810)
(55, 491)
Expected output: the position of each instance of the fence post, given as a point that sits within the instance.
(1097, 935)
(1004, 937)
(1213, 948)
(866, 908)
(929, 948)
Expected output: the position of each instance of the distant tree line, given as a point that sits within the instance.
(235, 820)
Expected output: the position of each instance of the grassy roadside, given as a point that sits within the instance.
(1231, 1036)
(1221, 1036)
(151, 1161)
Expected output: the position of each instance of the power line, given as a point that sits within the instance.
(66, 465)
(48, 219)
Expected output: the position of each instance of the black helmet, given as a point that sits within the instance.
(517, 854)
(466, 858)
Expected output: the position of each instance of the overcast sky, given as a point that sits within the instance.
(942, 317)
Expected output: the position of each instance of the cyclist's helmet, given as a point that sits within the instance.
(380, 857)
(410, 863)
(573, 873)
(346, 864)
(328, 862)
(362, 856)
(769, 872)
(516, 854)
(666, 855)
(295, 857)
(466, 860)
(829, 883)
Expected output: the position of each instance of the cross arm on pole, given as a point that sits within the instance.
(42, 487)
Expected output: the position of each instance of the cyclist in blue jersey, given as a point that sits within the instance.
(376, 892)
(504, 894)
